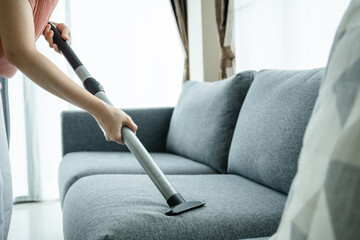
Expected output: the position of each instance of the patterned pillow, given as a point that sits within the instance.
(324, 200)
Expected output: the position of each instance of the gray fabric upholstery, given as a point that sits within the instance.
(271, 125)
(80, 132)
(130, 207)
(203, 121)
(264, 238)
(81, 164)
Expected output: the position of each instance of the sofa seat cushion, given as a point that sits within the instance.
(81, 164)
(204, 119)
(130, 207)
(264, 238)
(271, 125)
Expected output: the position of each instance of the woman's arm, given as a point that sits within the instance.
(18, 39)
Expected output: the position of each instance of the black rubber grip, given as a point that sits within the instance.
(92, 86)
(65, 48)
(175, 200)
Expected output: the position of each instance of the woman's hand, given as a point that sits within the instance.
(65, 34)
(111, 121)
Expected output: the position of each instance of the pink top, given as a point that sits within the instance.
(42, 10)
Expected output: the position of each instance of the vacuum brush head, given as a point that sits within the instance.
(178, 205)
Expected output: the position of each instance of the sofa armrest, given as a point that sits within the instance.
(80, 131)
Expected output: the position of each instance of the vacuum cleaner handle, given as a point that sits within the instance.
(89, 82)
(64, 47)
(130, 139)
(173, 198)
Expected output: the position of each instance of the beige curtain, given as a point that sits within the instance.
(224, 16)
(180, 13)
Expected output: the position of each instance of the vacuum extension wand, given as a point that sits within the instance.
(175, 201)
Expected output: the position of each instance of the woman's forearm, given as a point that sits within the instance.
(18, 41)
(45, 74)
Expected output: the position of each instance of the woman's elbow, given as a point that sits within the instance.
(17, 56)
(11, 56)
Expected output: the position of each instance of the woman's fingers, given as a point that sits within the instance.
(112, 120)
(107, 137)
(130, 124)
(48, 34)
(65, 32)
(56, 48)
(46, 30)
(127, 123)
(116, 135)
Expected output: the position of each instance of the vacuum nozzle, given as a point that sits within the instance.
(178, 205)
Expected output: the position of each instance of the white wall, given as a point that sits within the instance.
(204, 51)
(285, 34)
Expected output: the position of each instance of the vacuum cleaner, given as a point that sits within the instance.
(175, 201)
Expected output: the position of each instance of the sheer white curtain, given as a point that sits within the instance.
(285, 34)
(131, 47)
(35, 145)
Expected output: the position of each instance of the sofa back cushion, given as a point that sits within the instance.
(81, 133)
(271, 125)
(204, 119)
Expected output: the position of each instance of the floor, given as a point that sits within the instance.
(36, 221)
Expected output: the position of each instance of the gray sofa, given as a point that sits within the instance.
(233, 144)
